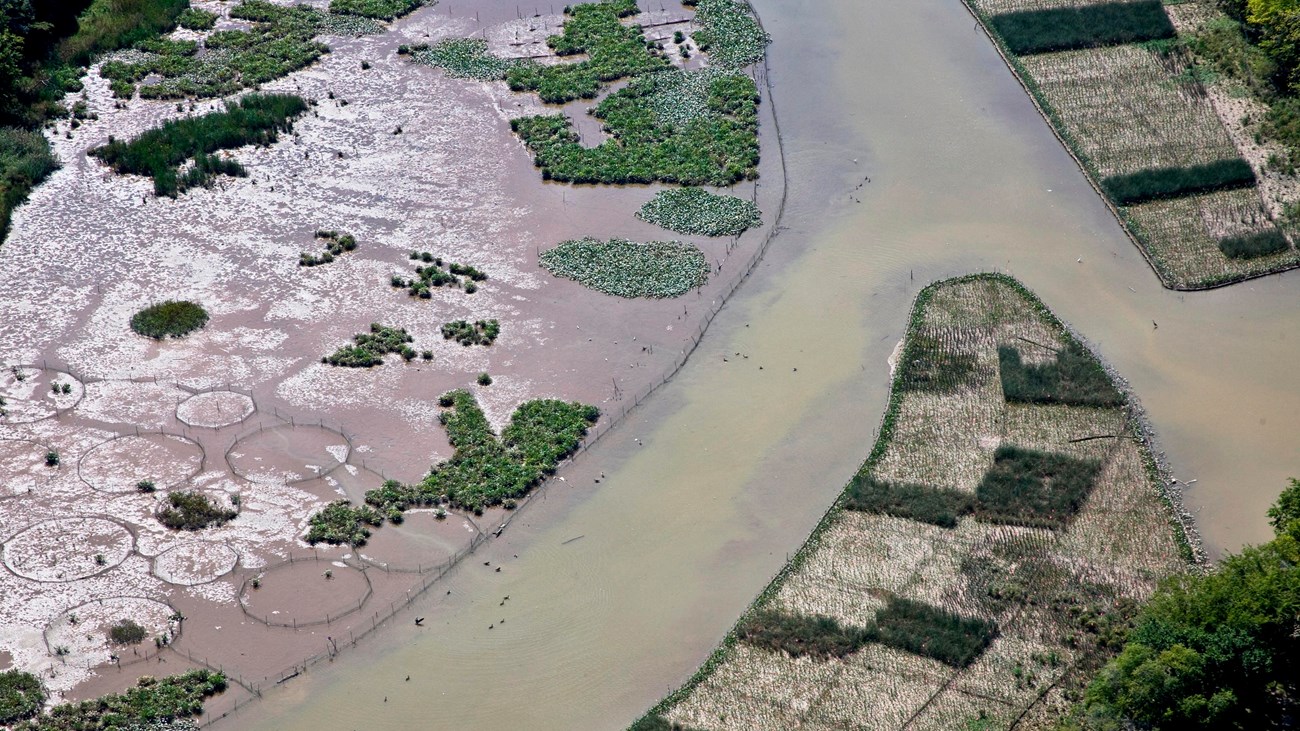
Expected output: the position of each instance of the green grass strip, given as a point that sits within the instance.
(1061, 29)
(1251, 246)
(937, 506)
(1032, 488)
(1074, 379)
(1159, 183)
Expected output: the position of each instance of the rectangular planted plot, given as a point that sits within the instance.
(1075, 378)
(1128, 109)
(877, 688)
(943, 440)
(1086, 26)
(1183, 236)
(1028, 487)
(937, 506)
(1175, 182)
(994, 7)
(933, 632)
(755, 689)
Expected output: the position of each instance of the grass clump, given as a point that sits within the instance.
(127, 632)
(336, 243)
(377, 9)
(1060, 29)
(21, 696)
(437, 273)
(369, 349)
(1033, 488)
(1149, 185)
(614, 51)
(694, 211)
(257, 119)
(461, 58)
(1251, 246)
(341, 522)
(938, 506)
(486, 470)
(193, 511)
(173, 318)
(481, 332)
(729, 33)
(628, 269)
(151, 701)
(933, 632)
(195, 19)
(1075, 379)
(25, 162)
(686, 128)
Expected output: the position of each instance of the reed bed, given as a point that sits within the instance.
(1009, 6)
(1016, 603)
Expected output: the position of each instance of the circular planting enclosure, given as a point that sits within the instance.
(420, 543)
(29, 393)
(138, 404)
(215, 409)
(287, 454)
(83, 631)
(22, 467)
(301, 593)
(195, 562)
(67, 549)
(118, 464)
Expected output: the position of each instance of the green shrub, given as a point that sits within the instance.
(484, 379)
(108, 25)
(342, 523)
(933, 632)
(25, 162)
(482, 332)
(173, 318)
(1076, 379)
(1033, 488)
(485, 470)
(370, 348)
(658, 723)
(1250, 246)
(1158, 183)
(378, 9)
(336, 244)
(150, 701)
(193, 511)
(1059, 29)
(799, 635)
(256, 119)
(145, 486)
(127, 632)
(21, 696)
(729, 33)
(933, 505)
(195, 19)
(694, 211)
(628, 269)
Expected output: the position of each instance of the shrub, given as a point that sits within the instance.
(938, 506)
(482, 332)
(1028, 487)
(25, 162)
(21, 696)
(1059, 29)
(193, 511)
(933, 632)
(628, 269)
(484, 379)
(1250, 246)
(370, 348)
(340, 522)
(336, 244)
(151, 701)
(195, 19)
(108, 25)
(1158, 183)
(694, 211)
(127, 632)
(173, 318)
(145, 486)
(256, 119)
(1076, 378)
(52, 458)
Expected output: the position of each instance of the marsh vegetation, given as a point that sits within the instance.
(630, 269)
(369, 349)
(169, 319)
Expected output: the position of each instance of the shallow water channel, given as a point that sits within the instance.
(618, 589)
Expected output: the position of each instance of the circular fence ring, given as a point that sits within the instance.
(215, 409)
(34, 393)
(60, 550)
(119, 464)
(194, 563)
(288, 454)
(303, 592)
(82, 632)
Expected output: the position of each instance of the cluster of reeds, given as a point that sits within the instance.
(193, 511)
(335, 244)
(342, 523)
(480, 332)
(170, 699)
(368, 349)
(172, 318)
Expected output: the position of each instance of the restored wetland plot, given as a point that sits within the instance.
(985, 560)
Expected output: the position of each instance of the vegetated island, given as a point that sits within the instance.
(989, 557)
(1184, 125)
(170, 701)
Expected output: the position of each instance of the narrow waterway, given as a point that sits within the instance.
(618, 589)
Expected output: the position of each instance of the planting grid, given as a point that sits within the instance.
(1121, 541)
(1127, 108)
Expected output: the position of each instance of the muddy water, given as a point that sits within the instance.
(618, 590)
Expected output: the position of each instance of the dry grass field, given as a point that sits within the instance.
(1054, 594)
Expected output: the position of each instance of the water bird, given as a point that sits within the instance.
(419, 621)
(408, 678)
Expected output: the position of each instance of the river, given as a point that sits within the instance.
(619, 589)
